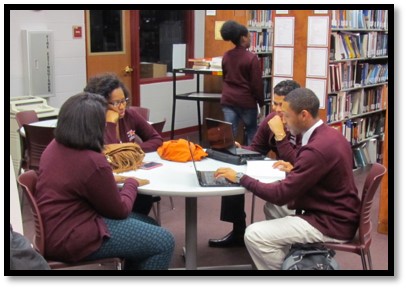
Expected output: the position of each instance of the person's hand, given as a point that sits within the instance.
(142, 182)
(277, 127)
(283, 166)
(119, 179)
(112, 116)
(227, 173)
(238, 145)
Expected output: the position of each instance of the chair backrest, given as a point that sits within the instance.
(26, 117)
(37, 139)
(370, 187)
(28, 182)
(143, 111)
(159, 126)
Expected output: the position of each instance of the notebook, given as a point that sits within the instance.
(220, 138)
(207, 178)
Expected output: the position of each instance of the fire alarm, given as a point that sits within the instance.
(77, 31)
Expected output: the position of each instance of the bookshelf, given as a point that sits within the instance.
(358, 80)
(260, 26)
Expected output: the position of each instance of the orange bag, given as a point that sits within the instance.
(178, 151)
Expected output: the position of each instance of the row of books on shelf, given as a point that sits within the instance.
(348, 45)
(368, 153)
(260, 18)
(206, 63)
(265, 65)
(261, 41)
(346, 75)
(358, 130)
(348, 104)
(267, 88)
(360, 19)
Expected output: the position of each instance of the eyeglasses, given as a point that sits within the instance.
(117, 103)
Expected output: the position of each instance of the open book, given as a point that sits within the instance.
(264, 171)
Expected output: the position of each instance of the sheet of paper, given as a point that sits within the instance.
(318, 30)
(264, 171)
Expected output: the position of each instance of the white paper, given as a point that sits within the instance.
(178, 55)
(318, 27)
(317, 59)
(284, 31)
(264, 171)
(283, 61)
(281, 11)
(318, 86)
(210, 12)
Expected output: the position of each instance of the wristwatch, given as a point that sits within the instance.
(238, 177)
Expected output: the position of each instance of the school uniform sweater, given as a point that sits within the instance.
(321, 184)
(133, 128)
(75, 189)
(242, 82)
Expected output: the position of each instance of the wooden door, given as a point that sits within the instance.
(121, 61)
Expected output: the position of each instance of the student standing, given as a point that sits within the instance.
(320, 187)
(85, 215)
(125, 125)
(266, 143)
(242, 90)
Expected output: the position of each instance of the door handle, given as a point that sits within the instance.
(128, 69)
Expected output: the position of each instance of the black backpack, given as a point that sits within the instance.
(310, 257)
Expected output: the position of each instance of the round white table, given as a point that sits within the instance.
(179, 179)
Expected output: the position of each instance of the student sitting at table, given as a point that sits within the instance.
(123, 124)
(266, 143)
(85, 215)
(320, 188)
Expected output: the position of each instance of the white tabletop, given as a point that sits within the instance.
(179, 179)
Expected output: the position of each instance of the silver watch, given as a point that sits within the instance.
(238, 177)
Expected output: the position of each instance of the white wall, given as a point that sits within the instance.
(70, 63)
(70, 53)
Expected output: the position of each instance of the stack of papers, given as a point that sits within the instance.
(264, 171)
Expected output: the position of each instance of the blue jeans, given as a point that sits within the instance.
(247, 115)
(140, 241)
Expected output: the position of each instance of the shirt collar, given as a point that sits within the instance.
(308, 133)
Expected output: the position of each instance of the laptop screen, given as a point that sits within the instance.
(220, 135)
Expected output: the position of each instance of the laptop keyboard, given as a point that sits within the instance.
(209, 178)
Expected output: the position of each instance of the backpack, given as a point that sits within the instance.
(310, 257)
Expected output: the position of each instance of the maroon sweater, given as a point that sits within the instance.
(242, 82)
(134, 128)
(75, 189)
(263, 142)
(321, 184)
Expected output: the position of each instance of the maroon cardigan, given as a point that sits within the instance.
(134, 128)
(263, 142)
(242, 82)
(75, 189)
(321, 184)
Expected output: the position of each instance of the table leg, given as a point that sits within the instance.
(199, 121)
(190, 233)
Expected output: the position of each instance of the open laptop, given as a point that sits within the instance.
(207, 178)
(220, 138)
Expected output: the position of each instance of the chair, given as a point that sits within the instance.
(27, 182)
(143, 111)
(37, 139)
(159, 126)
(361, 243)
(24, 117)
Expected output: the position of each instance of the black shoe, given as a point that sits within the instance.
(230, 240)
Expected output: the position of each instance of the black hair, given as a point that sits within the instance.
(81, 122)
(303, 99)
(285, 86)
(104, 84)
(233, 31)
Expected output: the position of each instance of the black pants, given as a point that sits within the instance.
(232, 210)
(143, 204)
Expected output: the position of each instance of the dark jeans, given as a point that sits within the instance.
(247, 115)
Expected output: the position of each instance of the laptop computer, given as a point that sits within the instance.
(220, 138)
(207, 178)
